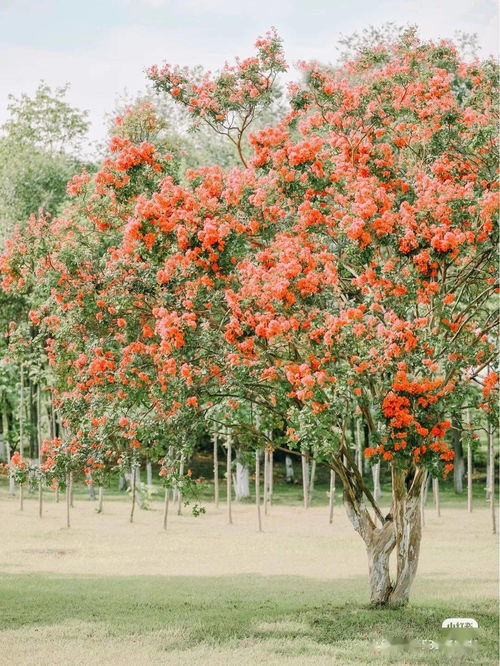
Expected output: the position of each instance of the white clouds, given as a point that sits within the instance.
(211, 31)
(97, 76)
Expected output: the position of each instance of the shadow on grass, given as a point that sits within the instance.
(216, 610)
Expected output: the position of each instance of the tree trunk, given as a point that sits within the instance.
(241, 479)
(406, 512)
(469, 477)
(257, 489)
(228, 479)
(165, 508)
(401, 530)
(379, 542)
(379, 548)
(149, 473)
(435, 490)
(266, 479)
(53, 429)
(376, 481)
(133, 483)
(305, 481)
(423, 497)
(492, 479)
(69, 483)
(33, 417)
(459, 465)
(312, 478)
(216, 471)
(100, 499)
(180, 498)
(271, 475)
(331, 499)
(289, 473)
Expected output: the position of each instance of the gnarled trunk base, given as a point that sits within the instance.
(401, 530)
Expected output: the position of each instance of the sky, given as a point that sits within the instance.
(101, 47)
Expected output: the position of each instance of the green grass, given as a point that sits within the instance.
(283, 493)
(284, 619)
(287, 494)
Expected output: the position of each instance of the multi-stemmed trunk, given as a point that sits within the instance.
(401, 530)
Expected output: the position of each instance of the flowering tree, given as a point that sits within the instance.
(363, 280)
(347, 269)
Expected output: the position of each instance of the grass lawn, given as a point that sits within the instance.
(204, 592)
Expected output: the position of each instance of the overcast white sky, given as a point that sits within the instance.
(102, 46)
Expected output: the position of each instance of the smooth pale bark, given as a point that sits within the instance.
(241, 480)
(331, 498)
(423, 497)
(133, 483)
(469, 461)
(228, 478)
(435, 490)
(257, 489)
(289, 473)
(376, 481)
(179, 496)
(216, 471)
(69, 483)
(149, 473)
(492, 479)
(100, 499)
(266, 480)
(305, 481)
(312, 478)
(21, 496)
(469, 477)
(426, 488)
(165, 508)
(458, 461)
(271, 476)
